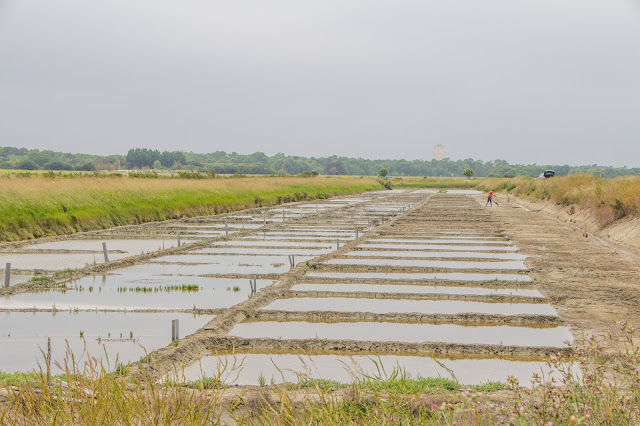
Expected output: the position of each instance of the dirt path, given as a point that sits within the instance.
(590, 285)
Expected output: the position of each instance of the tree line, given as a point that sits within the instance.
(280, 164)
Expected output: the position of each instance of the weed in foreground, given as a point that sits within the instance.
(594, 387)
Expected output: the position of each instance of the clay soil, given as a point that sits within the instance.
(590, 284)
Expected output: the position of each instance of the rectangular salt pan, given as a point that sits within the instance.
(24, 334)
(450, 247)
(411, 333)
(435, 254)
(418, 289)
(438, 241)
(448, 276)
(291, 368)
(386, 306)
(444, 264)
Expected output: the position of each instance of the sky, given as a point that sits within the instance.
(527, 81)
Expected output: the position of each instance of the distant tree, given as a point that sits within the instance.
(27, 165)
(157, 164)
(57, 165)
(86, 167)
(468, 173)
(383, 172)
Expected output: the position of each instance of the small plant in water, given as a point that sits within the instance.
(261, 380)
(236, 288)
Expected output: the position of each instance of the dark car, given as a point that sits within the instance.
(547, 174)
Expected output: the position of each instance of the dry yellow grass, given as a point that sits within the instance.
(609, 199)
(42, 206)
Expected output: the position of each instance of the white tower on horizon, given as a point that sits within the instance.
(439, 152)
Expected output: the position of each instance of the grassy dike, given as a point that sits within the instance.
(609, 199)
(39, 206)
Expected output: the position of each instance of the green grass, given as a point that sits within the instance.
(18, 378)
(44, 206)
(434, 182)
(409, 386)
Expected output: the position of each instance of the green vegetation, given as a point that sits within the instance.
(184, 288)
(609, 199)
(438, 183)
(219, 162)
(468, 173)
(42, 206)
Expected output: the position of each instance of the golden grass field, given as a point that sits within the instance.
(40, 206)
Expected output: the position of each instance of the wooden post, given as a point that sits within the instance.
(7, 275)
(356, 233)
(104, 250)
(175, 330)
(337, 244)
(226, 227)
(178, 238)
(48, 361)
(317, 207)
(382, 219)
(283, 219)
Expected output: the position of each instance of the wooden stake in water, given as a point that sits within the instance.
(106, 253)
(337, 244)
(381, 219)
(226, 227)
(283, 215)
(356, 233)
(175, 330)
(48, 361)
(317, 207)
(178, 238)
(292, 260)
(7, 275)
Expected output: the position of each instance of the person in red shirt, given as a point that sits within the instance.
(490, 199)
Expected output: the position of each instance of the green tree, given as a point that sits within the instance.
(468, 172)
(383, 172)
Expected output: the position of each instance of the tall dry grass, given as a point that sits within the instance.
(609, 199)
(43, 206)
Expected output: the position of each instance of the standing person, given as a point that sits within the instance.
(490, 199)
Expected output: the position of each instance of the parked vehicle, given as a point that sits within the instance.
(547, 174)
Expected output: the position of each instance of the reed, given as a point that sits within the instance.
(42, 206)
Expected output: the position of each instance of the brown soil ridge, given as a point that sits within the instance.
(484, 298)
(375, 347)
(471, 319)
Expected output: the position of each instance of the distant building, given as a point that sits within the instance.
(439, 152)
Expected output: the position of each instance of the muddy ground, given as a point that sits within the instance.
(591, 285)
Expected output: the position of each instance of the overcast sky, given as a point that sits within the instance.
(528, 81)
